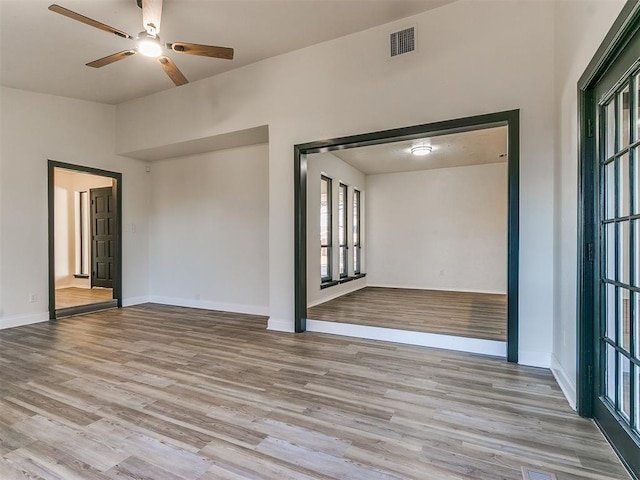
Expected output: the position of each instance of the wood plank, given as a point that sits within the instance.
(169, 392)
(74, 296)
(462, 314)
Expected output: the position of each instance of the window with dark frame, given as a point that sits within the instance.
(342, 229)
(82, 235)
(357, 266)
(620, 231)
(325, 229)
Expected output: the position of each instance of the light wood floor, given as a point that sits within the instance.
(476, 315)
(74, 296)
(155, 392)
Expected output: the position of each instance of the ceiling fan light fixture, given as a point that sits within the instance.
(421, 150)
(149, 45)
(148, 41)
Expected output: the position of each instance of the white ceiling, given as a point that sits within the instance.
(46, 52)
(477, 147)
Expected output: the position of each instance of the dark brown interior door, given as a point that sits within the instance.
(103, 225)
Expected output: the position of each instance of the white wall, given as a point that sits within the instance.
(67, 183)
(473, 58)
(338, 88)
(37, 127)
(440, 229)
(209, 230)
(2, 135)
(580, 27)
(328, 164)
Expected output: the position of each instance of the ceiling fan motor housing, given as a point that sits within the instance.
(144, 35)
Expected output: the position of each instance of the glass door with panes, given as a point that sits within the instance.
(617, 382)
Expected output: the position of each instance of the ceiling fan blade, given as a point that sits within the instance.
(152, 16)
(101, 62)
(89, 21)
(172, 70)
(203, 50)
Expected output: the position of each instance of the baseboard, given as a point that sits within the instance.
(349, 289)
(206, 305)
(20, 320)
(447, 342)
(280, 325)
(564, 382)
(130, 302)
(462, 290)
(534, 359)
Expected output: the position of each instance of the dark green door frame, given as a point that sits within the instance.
(612, 62)
(117, 278)
(623, 29)
(510, 118)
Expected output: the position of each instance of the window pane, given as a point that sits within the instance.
(324, 262)
(636, 323)
(637, 114)
(82, 224)
(624, 198)
(325, 228)
(611, 128)
(610, 385)
(343, 261)
(624, 252)
(342, 215)
(342, 228)
(636, 252)
(610, 190)
(356, 231)
(623, 126)
(637, 397)
(611, 312)
(625, 386)
(635, 175)
(624, 313)
(610, 254)
(346, 260)
(325, 212)
(356, 260)
(356, 217)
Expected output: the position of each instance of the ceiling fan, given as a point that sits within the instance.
(148, 41)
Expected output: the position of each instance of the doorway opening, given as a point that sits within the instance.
(412, 237)
(85, 261)
(363, 206)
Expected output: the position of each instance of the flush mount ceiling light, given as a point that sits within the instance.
(149, 45)
(421, 150)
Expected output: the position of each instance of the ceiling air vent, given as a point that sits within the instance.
(403, 41)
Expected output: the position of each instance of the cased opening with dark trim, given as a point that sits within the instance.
(117, 277)
(509, 118)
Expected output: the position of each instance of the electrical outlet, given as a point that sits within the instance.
(442, 273)
(197, 296)
(33, 297)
